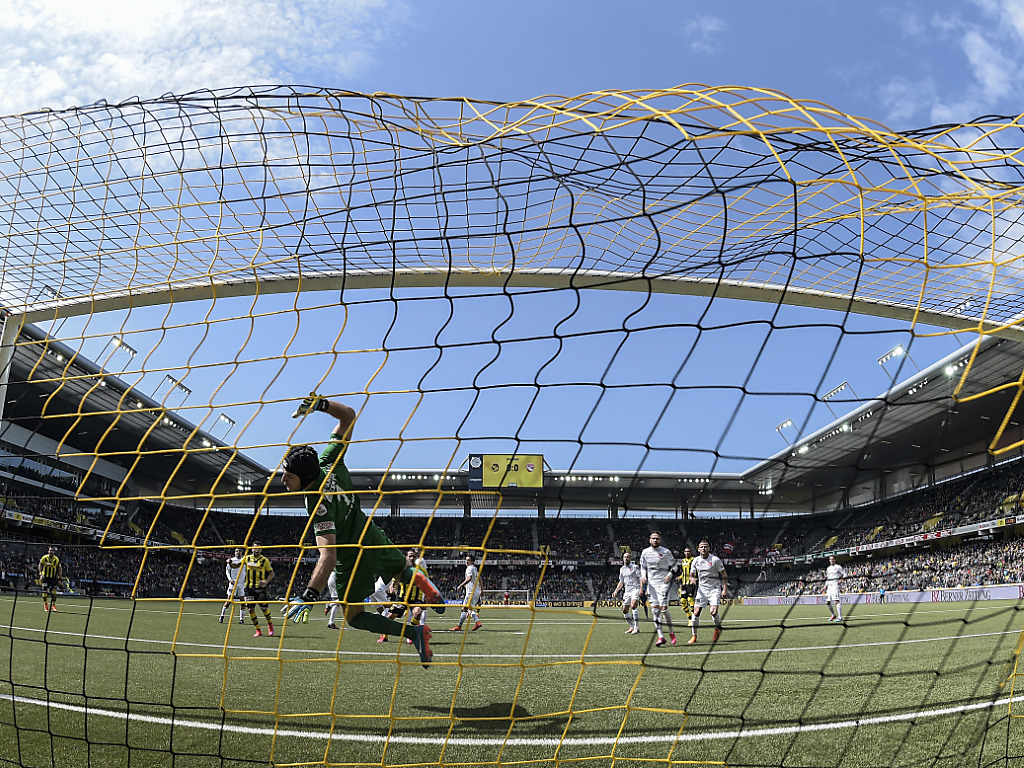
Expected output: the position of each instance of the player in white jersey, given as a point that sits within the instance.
(331, 609)
(234, 570)
(833, 575)
(656, 564)
(472, 585)
(629, 583)
(707, 573)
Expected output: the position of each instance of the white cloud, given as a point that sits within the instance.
(993, 71)
(60, 53)
(704, 32)
(980, 45)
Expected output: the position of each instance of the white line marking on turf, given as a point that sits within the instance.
(718, 649)
(518, 742)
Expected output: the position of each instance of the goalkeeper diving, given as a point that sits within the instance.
(356, 549)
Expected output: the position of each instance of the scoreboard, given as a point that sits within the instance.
(504, 470)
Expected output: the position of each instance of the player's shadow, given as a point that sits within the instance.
(497, 718)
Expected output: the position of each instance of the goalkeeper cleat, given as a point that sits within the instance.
(270, 629)
(476, 627)
(692, 640)
(421, 639)
(715, 635)
(257, 633)
(431, 594)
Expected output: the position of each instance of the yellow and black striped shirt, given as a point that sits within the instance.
(685, 562)
(256, 570)
(411, 594)
(49, 566)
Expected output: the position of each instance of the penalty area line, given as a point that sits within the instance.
(596, 741)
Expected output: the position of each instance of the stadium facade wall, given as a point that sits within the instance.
(1000, 592)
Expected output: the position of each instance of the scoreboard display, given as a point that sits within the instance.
(504, 470)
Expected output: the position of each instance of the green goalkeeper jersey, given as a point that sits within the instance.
(336, 511)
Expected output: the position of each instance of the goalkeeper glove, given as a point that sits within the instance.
(298, 607)
(309, 404)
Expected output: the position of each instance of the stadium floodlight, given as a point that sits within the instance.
(896, 353)
(48, 291)
(224, 421)
(787, 424)
(116, 344)
(171, 385)
(835, 391)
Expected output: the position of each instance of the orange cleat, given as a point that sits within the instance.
(692, 640)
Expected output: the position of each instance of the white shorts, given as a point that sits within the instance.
(238, 592)
(711, 597)
(832, 593)
(630, 595)
(472, 598)
(661, 594)
(379, 596)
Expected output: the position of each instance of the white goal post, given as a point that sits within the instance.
(518, 598)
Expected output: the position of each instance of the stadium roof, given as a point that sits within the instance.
(55, 392)
(913, 434)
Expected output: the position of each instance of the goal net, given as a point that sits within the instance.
(708, 314)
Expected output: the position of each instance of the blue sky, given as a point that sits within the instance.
(907, 64)
(904, 64)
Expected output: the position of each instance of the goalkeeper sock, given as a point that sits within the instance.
(374, 622)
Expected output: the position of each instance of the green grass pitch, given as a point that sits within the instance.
(112, 683)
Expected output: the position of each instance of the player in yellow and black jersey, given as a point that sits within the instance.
(687, 590)
(409, 595)
(258, 574)
(50, 576)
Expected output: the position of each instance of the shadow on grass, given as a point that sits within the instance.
(498, 718)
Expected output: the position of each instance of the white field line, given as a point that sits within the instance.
(517, 742)
(719, 650)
